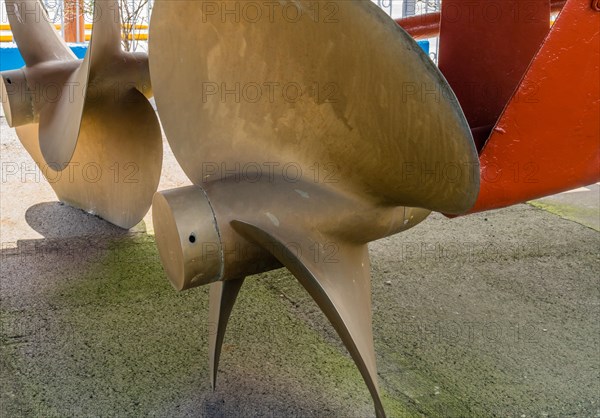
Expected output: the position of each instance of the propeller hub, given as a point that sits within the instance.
(17, 100)
(187, 237)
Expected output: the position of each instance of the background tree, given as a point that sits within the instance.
(132, 15)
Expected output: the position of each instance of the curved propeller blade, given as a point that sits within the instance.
(222, 299)
(102, 71)
(235, 229)
(342, 289)
(354, 93)
(108, 176)
(372, 132)
(60, 123)
(101, 119)
(34, 32)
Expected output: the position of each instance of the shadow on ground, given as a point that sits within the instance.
(489, 315)
(91, 327)
(55, 220)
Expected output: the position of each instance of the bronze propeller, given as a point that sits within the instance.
(309, 129)
(87, 124)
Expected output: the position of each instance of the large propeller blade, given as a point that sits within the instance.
(31, 28)
(305, 139)
(335, 90)
(341, 289)
(98, 122)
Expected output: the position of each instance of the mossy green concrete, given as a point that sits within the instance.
(489, 315)
(584, 215)
(119, 341)
(409, 380)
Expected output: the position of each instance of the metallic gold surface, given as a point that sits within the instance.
(32, 30)
(190, 247)
(342, 290)
(87, 124)
(318, 233)
(353, 92)
(106, 73)
(222, 299)
(306, 140)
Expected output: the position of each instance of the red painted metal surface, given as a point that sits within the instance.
(485, 48)
(421, 26)
(428, 25)
(548, 137)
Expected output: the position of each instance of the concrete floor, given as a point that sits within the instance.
(493, 314)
